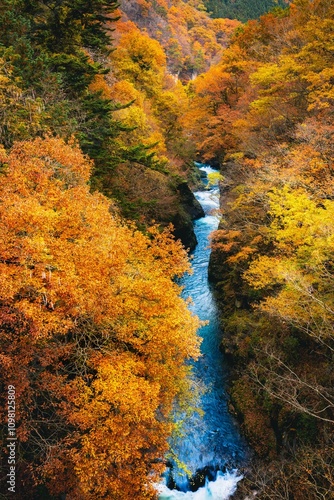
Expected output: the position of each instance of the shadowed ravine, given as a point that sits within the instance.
(211, 448)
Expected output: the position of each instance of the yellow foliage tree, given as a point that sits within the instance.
(303, 232)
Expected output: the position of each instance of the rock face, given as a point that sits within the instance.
(188, 211)
(184, 229)
(191, 205)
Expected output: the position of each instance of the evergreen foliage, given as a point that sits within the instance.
(243, 10)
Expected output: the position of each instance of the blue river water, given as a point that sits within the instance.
(211, 444)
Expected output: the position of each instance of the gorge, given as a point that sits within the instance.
(101, 116)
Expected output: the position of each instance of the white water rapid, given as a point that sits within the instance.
(220, 489)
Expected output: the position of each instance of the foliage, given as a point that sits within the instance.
(269, 107)
(60, 76)
(94, 332)
(241, 9)
(71, 25)
(191, 39)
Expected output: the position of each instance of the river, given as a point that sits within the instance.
(212, 447)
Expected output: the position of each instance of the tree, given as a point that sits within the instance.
(94, 333)
(68, 26)
(303, 235)
(141, 61)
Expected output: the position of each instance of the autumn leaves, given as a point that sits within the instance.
(273, 253)
(94, 332)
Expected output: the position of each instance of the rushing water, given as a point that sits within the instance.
(211, 448)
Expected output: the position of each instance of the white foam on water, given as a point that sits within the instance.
(207, 169)
(220, 489)
(209, 199)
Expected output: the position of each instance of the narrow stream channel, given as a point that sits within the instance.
(212, 447)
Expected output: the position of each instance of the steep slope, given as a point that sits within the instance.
(60, 77)
(264, 113)
(191, 39)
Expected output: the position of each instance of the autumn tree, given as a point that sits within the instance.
(94, 332)
(301, 269)
(192, 40)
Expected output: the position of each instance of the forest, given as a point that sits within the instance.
(104, 107)
(243, 10)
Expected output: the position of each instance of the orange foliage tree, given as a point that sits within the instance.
(94, 333)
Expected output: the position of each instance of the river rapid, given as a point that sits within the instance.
(211, 446)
